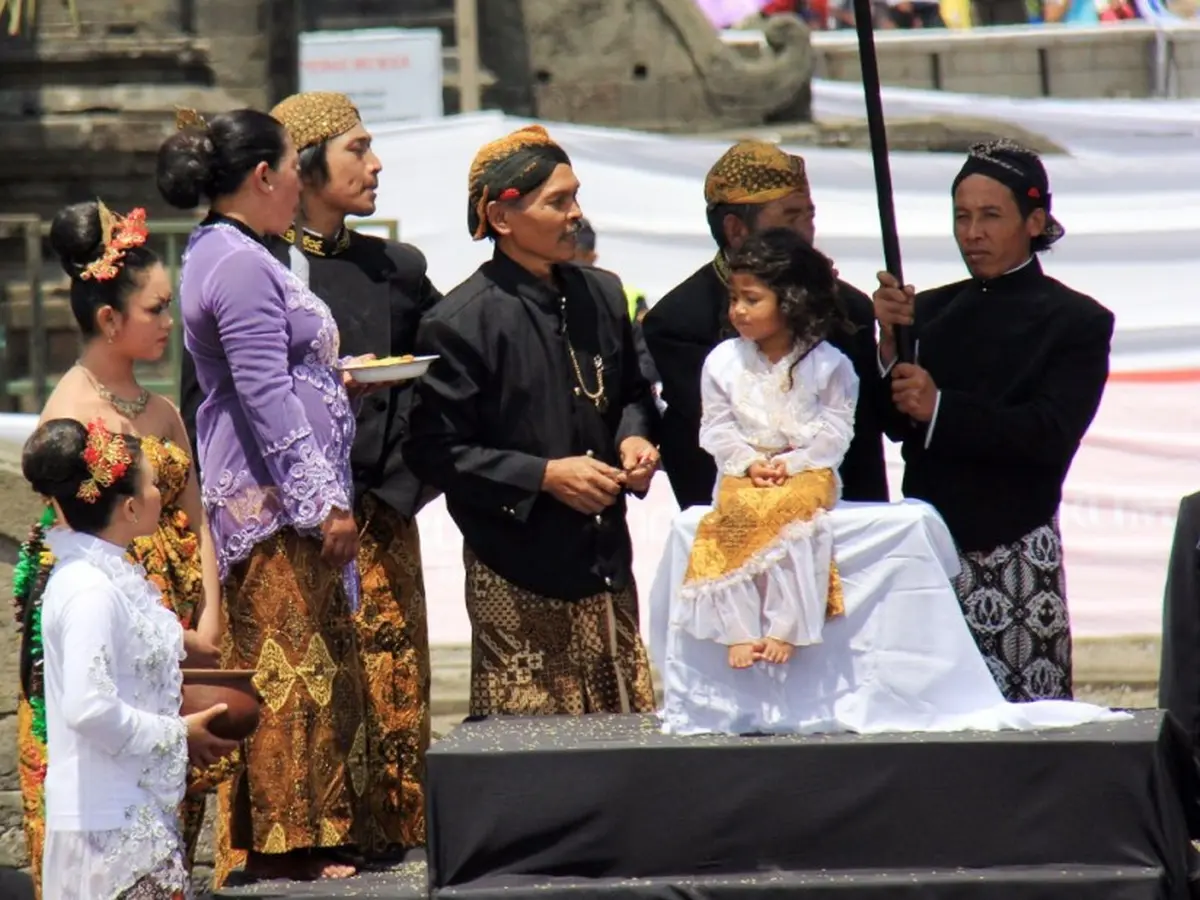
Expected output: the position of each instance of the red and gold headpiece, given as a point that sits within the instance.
(119, 234)
(107, 459)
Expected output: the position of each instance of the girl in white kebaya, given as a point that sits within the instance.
(111, 653)
(778, 416)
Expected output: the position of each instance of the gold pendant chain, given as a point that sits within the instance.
(596, 396)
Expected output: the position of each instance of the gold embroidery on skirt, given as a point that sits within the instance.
(288, 618)
(748, 522)
(386, 759)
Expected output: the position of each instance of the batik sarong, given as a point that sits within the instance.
(304, 773)
(393, 640)
(536, 656)
(1014, 600)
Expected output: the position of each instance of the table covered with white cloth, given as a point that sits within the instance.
(900, 659)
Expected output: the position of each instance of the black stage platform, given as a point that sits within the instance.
(608, 807)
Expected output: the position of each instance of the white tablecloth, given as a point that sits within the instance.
(901, 659)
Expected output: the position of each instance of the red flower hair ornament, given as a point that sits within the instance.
(107, 460)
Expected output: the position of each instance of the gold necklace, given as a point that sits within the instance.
(596, 396)
(130, 409)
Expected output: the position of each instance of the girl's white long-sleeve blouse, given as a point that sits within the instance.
(115, 742)
(753, 411)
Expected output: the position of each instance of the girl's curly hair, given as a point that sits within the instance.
(802, 280)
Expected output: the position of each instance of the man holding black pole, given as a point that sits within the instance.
(1009, 369)
(753, 186)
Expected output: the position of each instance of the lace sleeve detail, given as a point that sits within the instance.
(821, 442)
(250, 307)
(720, 433)
(90, 702)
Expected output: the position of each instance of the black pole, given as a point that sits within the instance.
(864, 24)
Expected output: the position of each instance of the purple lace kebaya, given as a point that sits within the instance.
(275, 428)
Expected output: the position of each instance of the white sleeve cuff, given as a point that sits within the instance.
(883, 370)
(937, 405)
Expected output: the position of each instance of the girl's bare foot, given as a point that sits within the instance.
(742, 656)
(776, 651)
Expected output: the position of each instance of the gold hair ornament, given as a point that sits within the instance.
(186, 117)
(119, 234)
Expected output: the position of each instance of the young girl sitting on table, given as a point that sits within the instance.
(111, 653)
(778, 415)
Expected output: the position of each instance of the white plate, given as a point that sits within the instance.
(378, 371)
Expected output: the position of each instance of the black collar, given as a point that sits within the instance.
(1019, 279)
(319, 245)
(516, 279)
(215, 218)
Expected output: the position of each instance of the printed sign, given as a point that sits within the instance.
(391, 74)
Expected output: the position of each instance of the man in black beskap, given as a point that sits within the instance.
(534, 420)
(1009, 371)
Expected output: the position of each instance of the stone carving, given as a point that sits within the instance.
(648, 64)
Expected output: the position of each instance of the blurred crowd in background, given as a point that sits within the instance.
(830, 15)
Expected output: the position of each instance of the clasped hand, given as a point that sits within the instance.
(764, 474)
(590, 486)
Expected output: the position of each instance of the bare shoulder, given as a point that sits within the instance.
(164, 419)
(75, 398)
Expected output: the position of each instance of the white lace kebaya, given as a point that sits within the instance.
(116, 743)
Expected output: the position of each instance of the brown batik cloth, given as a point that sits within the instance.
(305, 765)
(534, 656)
(393, 639)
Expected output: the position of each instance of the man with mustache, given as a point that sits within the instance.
(535, 421)
(377, 291)
(752, 187)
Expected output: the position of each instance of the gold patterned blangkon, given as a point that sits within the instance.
(315, 117)
(754, 172)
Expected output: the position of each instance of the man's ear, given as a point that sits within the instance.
(497, 216)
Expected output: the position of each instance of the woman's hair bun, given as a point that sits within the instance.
(184, 167)
(52, 460)
(75, 236)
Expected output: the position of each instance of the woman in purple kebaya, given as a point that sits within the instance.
(274, 434)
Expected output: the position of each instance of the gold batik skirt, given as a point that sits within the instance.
(303, 779)
(535, 656)
(749, 530)
(393, 641)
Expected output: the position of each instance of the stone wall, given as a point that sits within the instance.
(82, 113)
(650, 64)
